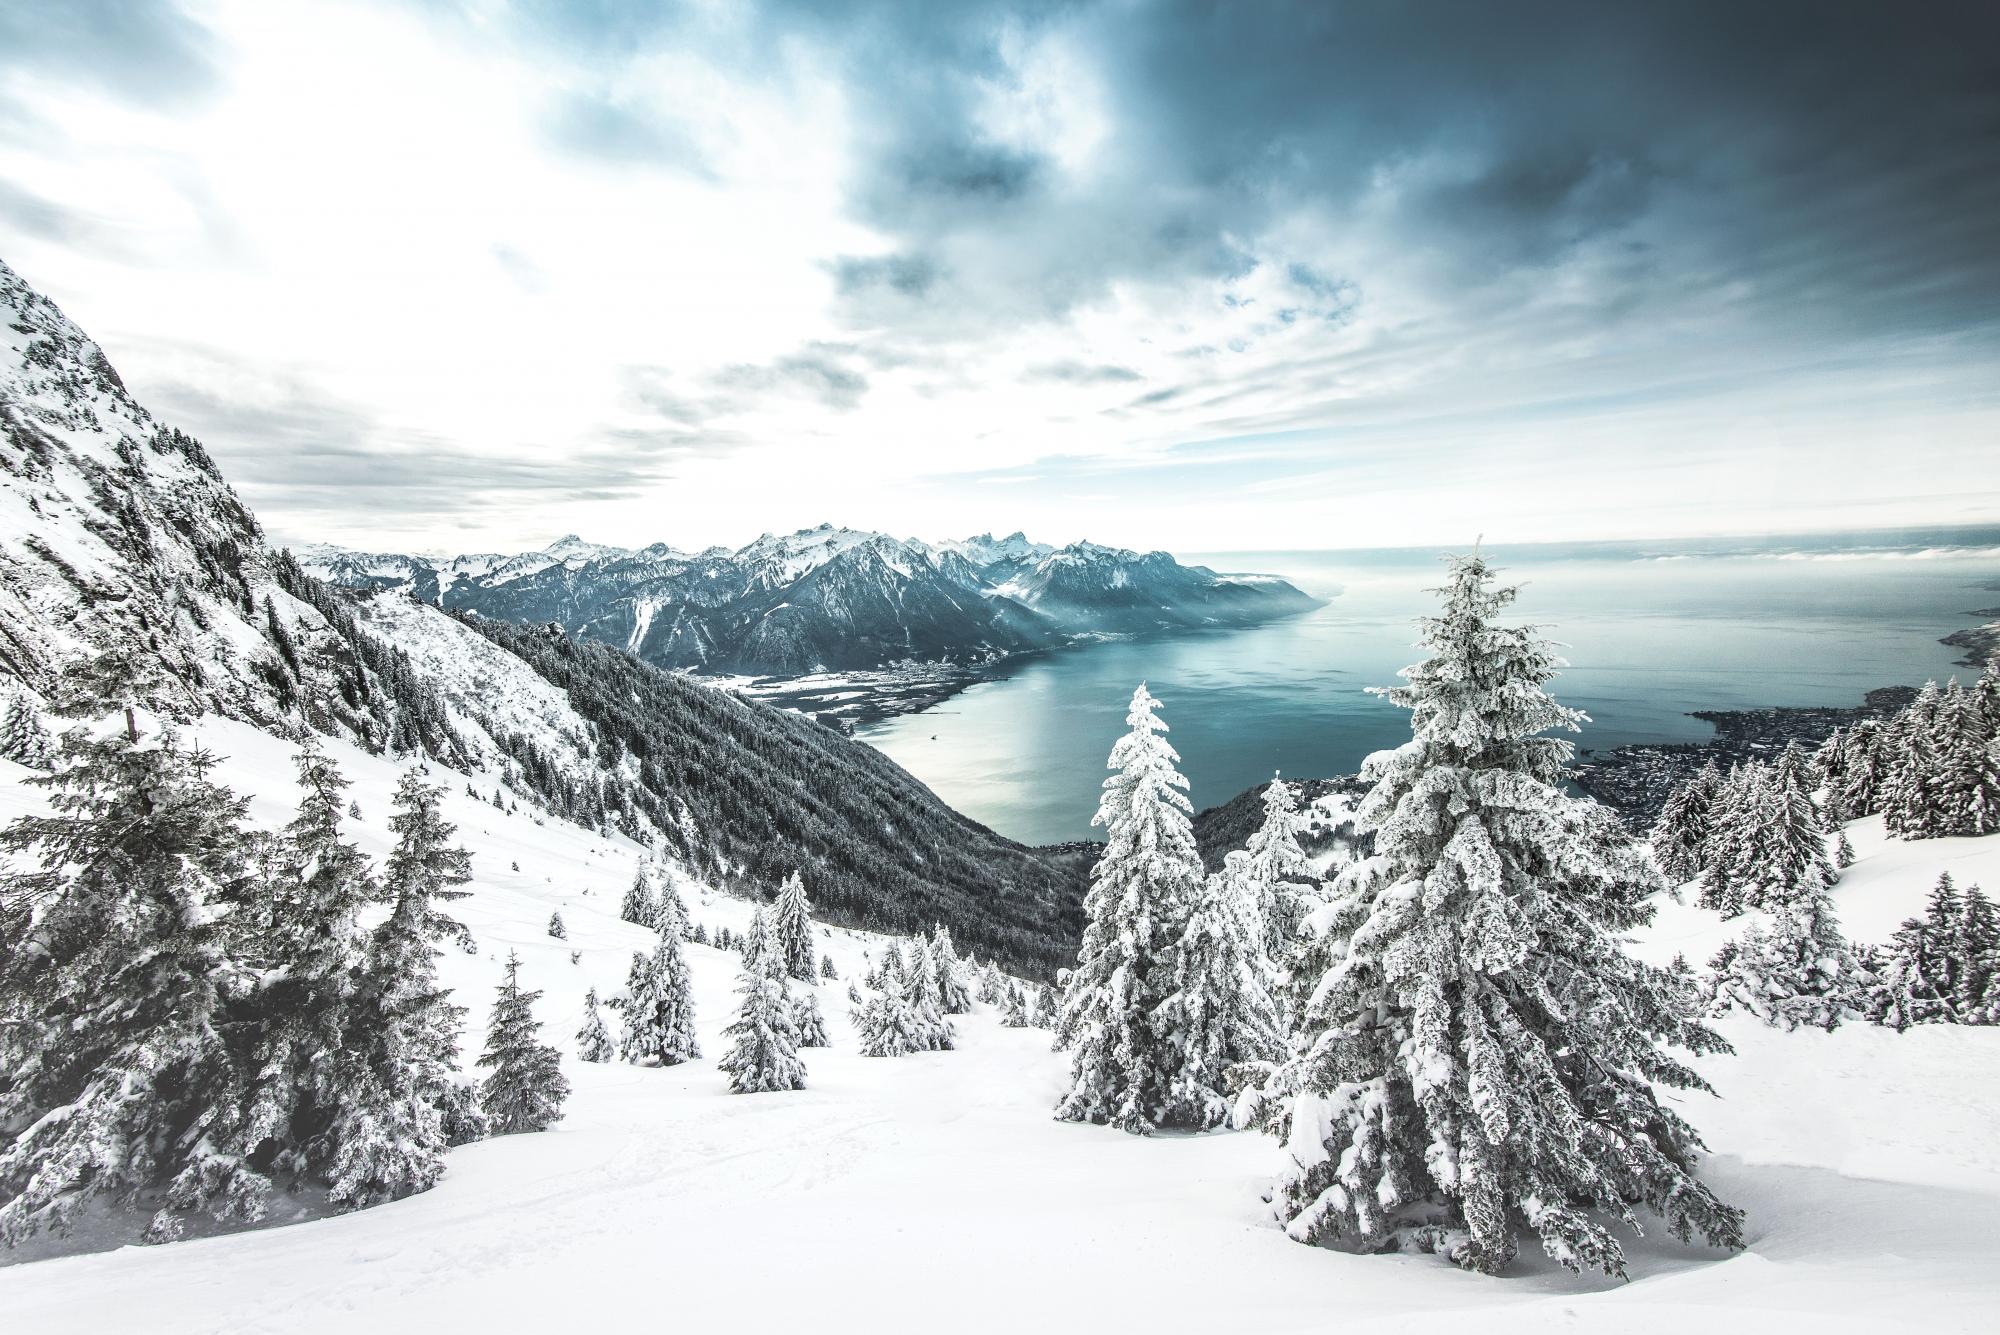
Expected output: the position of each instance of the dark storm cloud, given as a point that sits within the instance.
(1820, 161)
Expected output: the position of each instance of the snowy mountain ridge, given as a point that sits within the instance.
(827, 598)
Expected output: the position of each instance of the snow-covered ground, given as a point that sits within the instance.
(935, 1192)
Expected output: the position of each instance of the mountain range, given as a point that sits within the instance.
(118, 529)
(825, 599)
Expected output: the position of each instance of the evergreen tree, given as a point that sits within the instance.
(891, 962)
(1843, 852)
(1966, 792)
(1122, 1068)
(659, 1007)
(1013, 1012)
(1796, 869)
(1275, 877)
(670, 911)
(1048, 1008)
(526, 1089)
(763, 1042)
(826, 970)
(404, 1105)
(115, 1080)
(1796, 971)
(885, 1022)
(1681, 832)
(1475, 1050)
(1220, 1013)
(791, 929)
(1855, 782)
(309, 951)
(593, 1042)
(23, 739)
(953, 997)
(807, 1022)
(925, 998)
(639, 905)
(1906, 990)
(992, 986)
(1912, 801)
(556, 928)
(1977, 943)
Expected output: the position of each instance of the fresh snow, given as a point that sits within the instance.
(935, 1191)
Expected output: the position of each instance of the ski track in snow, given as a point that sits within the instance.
(936, 1192)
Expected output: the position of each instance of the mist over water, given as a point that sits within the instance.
(1653, 629)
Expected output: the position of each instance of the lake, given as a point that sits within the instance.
(1653, 629)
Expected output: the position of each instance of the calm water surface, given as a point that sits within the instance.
(1654, 630)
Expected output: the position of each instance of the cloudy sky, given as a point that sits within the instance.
(472, 275)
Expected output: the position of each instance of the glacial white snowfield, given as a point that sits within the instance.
(935, 1192)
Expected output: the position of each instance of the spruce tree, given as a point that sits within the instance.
(593, 1042)
(791, 929)
(1681, 832)
(1122, 1068)
(1795, 971)
(309, 951)
(639, 905)
(826, 969)
(807, 1022)
(526, 1089)
(1912, 800)
(926, 1000)
(115, 1080)
(1855, 784)
(556, 928)
(763, 1042)
(23, 739)
(1013, 1012)
(659, 1007)
(953, 997)
(1275, 876)
(1966, 793)
(1220, 1013)
(404, 1105)
(885, 1022)
(1907, 989)
(1475, 1051)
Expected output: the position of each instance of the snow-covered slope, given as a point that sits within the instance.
(935, 1192)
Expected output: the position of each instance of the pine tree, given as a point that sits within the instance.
(885, 1022)
(953, 997)
(1220, 1013)
(115, 1079)
(826, 970)
(1122, 1068)
(807, 1022)
(1796, 971)
(1275, 876)
(1013, 1013)
(1843, 852)
(659, 1007)
(639, 905)
(1906, 990)
(593, 1042)
(1967, 787)
(23, 739)
(404, 1105)
(791, 929)
(309, 951)
(763, 1050)
(1977, 944)
(670, 911)
(1048, 1008)
(526, 1089)
(926, 1001)
(1475, 1050)
(1795, 869)
(1681, 832)
(1912, 805)
(1854, 786)
(556, 928)
(891, 962)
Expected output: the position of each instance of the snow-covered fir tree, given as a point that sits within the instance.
(807, 1022)
(1843, 852)
(1795, 971)
(639, 906)
(1680, 833)
(953, 996)
(992, 988)
(1912, 793)
(1274, 875)
(1013, 1010)
(116, 1080)
(885, 1024)
(556, 927)
(792, 930)
(926, 1000)
(763, 1042)
(593, 1041)
(890, 961)
(1122, 1067)
(1219, 1014)
(1966, 794)
(1475, 1052)
(670, 910)
(308, 949)
(404, 1104)
(658, 1008)
(524, 1089)
(826, 969)
(23, 739)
